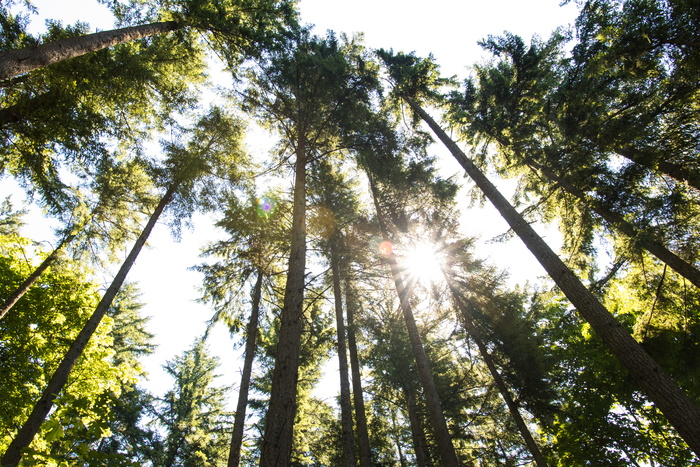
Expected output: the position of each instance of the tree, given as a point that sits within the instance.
(245, 22)
(515, 104)
(306, 90)
(119, 191)
(672, 401)
(437, 418)
(32, 341)
(217, 138)
(253, 251)
(192, 413)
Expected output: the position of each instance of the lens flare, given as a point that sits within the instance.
(265, 206)
(385, 248)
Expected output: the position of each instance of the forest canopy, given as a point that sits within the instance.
(340, 186)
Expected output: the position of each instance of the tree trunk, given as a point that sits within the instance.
(279, 423)
(425, 375)
(681, 412)
(34, 276)
(234, 456)
(358, 399)
(476, 336)
(675, 171)
(420, 443)
(345, 404)
(657, 249)
(17, 62)
(26, 433)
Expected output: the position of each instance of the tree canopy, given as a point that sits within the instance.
(344, 245)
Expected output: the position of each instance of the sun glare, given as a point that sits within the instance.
(422, 263)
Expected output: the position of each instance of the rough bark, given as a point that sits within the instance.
(617, 221)
(34, 276)
(234, 456)
(345, 403)
(279, 424)
(425, 375)
(681, 412)
(477, 337)
(358, 399)
(26, 433)
(17, 62)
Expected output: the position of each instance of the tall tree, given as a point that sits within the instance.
(254, 251)
(119, 191)
(243, 22)
(410, 76)
(306, 90)
(437, 417)
(214, 147)
(192, 412)
(32, 343)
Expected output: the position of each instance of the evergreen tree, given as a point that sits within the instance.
(192, 413)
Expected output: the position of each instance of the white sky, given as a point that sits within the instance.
(449, 29)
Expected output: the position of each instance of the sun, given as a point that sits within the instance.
(421, 262)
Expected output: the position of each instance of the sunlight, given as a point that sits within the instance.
(422, 263)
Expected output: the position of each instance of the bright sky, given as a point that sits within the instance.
(449, 29)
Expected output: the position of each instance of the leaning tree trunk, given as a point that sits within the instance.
(476, 336)
(279, 422)
(682, 174)
(17, 62)
(234, 456)
(26, 433)
(425, 375)
(360, 416)
(345, 404)
(617, 221)
(681, 412)
(34, 276)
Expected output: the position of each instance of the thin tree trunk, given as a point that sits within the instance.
(681, 412)
(420, 443)
(279, 422)
(476, 336)
(657, 249)
(234, 456)
(17, 62)
(34, 276)
(345, 403)
(675, 171)
(425, 375)
(358, 399)
(26, 433)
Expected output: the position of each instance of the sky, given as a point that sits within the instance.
(449, 29)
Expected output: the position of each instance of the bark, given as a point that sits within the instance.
(675, 171)
(680, 411)
(17, 62)
(234, 456)
(34, 276)
(345, 404)
(477, 337)
(358, 399)
(23, 110)
(420, 443)
(425, 375)
(615, 219)
(279, 425)
(26, 433)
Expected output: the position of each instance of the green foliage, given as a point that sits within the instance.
(34, 337)
(192, 413)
